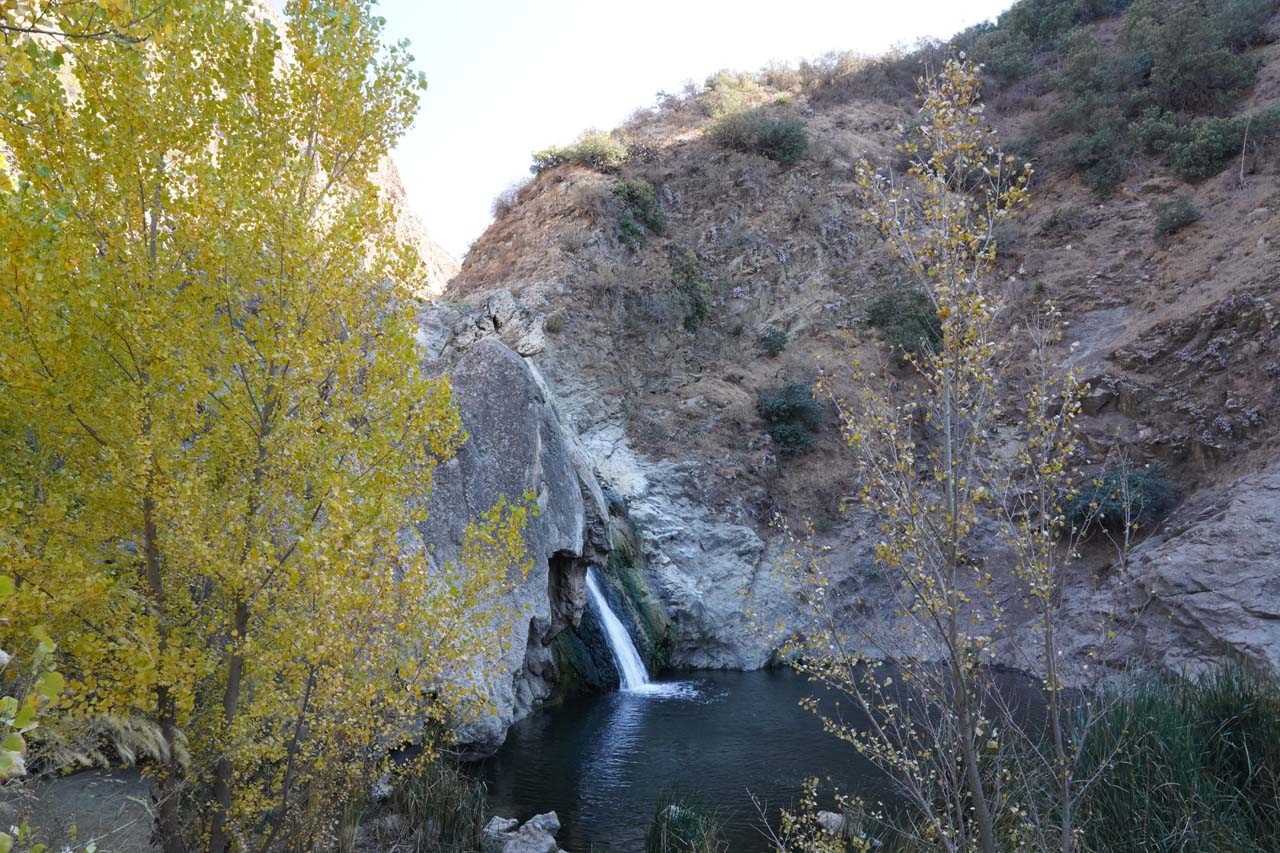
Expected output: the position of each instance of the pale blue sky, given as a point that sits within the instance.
(507, 77)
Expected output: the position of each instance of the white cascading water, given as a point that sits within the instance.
(630, 667)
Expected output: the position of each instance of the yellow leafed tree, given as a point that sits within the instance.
(216, 437)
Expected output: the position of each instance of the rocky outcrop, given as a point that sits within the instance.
(1209, 582)
(537, 835)
(517, 446)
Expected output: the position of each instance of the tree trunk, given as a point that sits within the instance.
(168, 792)
(230, 704)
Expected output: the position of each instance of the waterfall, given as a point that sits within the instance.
(630, 666)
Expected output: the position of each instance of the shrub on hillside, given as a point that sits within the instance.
(1173, 216)
(506, 201)
(641, 213)
(1101, 157)
(1142, 495)
(761, 131)
(906, 320)
(773, 340)
(692, 286)
(1006, 53)
(1202, 150)
(1174, 59)
(603, 152)
(792, 415)
(726, 93)
(1190, 49)
(1211, 145)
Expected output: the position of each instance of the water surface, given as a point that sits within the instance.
(602, 763)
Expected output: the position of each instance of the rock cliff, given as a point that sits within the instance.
(517, 447)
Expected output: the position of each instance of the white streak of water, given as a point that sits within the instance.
(630, 666)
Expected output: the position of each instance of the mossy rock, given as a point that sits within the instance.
(583, 660)
(636, 605)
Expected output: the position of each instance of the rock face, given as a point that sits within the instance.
(1212, 578)
(517, 446)
(538, 835)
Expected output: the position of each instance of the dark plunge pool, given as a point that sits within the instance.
(603, 763)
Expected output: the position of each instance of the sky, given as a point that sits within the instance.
(509, 77)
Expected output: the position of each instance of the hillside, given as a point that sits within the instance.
(660, 312)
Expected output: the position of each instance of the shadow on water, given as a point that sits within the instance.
(602, 763)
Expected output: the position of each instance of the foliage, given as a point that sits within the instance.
(32, 684)
(683, 825)
(692, 286)
(1102, 155)
(802, 831)
(762, 131)
(1006, 52)
(1174, 57)
(1173, 216)
(217, 440)
(603, 152)
(726, 93)
(792, 414)
(773, 340)
(1196, 766)
(907, 320)
(641, 212)
(1211, 144)
(1190, 50)
(1201, 150)
(1121, 496)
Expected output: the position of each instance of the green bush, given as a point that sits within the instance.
(693, 287)
(1184, 765)
(761, 131)
(1173, 216)
(1146, 493)
(1190, 49)
(603, 152)
(684, 825)
(1042, 22)
(1006, 53)
(773, 340)
(1174, 59)
(1101, 156)
(907, 320)
(641, 212)
(791, 414)
(1209, 146)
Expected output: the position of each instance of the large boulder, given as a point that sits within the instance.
(1210, 580)
(516, 446)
